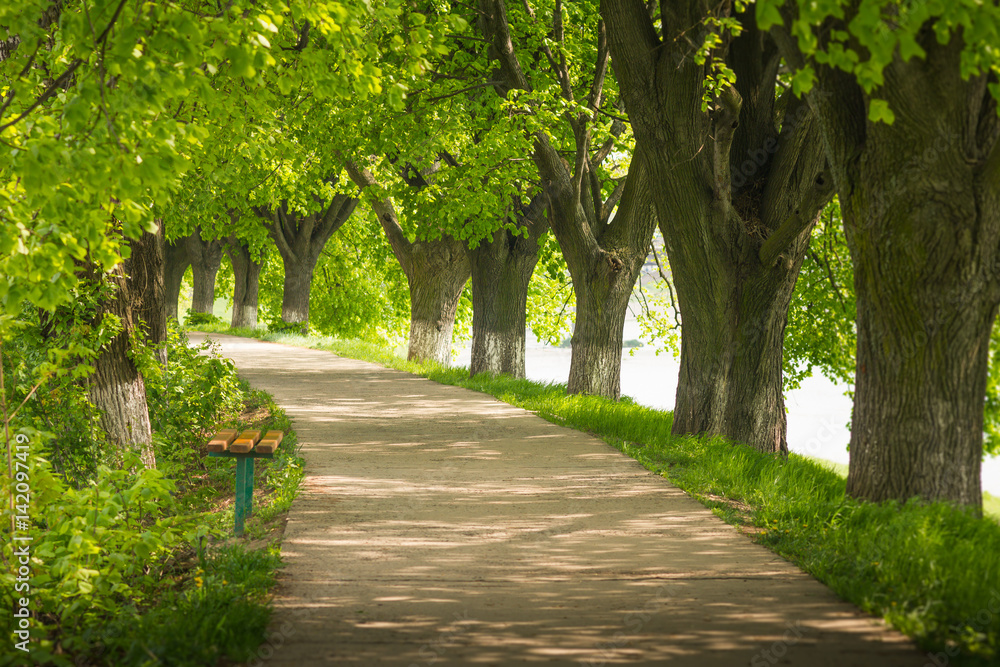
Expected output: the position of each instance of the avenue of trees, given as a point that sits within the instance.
(825, 177)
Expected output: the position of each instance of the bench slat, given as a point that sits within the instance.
(269, 443)
(221, 440)
(245, 442)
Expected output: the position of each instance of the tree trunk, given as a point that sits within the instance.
(246, 274)
(117, 389)
(500, 277)
(175, 263)
(145, 269)
(501, 270)
(297, 288)
(921, 207)
(437, 272)
(604, 267)
(737, 189)
(604, 248)
(923, 350)
(923, 225)
(602, 297)
(734, 311)
(300, 240)
(206, 258)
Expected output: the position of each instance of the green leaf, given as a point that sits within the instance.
(909, 48)
(768, 14)
(879, 112)
(803, 81)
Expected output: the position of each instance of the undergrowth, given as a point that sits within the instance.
(133, 566)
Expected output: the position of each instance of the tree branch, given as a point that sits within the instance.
(483, 84)
(49, 92)
(340, 210)
(65, 76)
(276, 230)
(632, 40)
(633, 224)
(600, 68)
(386, 214)
(612, 200)
(798, 183)
(784, 236)
(562, 69)
(494, 26)
(837, 103)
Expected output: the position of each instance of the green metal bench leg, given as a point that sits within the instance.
(244, 491)
(248, 486)
(244, 482)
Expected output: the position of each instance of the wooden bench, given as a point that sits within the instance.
(244, 447)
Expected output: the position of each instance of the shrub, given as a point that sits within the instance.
(193, 319)
(108, 540)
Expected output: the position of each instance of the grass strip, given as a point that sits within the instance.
(931, 570)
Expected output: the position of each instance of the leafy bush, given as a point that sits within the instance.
(95, 549)
(193, 319)
(220, 610)
(277, 325)
(188, 396)
(46, 364)
(111, 553)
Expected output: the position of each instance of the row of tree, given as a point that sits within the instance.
(471, 131)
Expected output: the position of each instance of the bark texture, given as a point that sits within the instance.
(175, 264)
(501, 270)
(246, 276)
(206, 258)
(50, 15)
(737, 190)
(144, 269)
(117, 389)
(604, 247)
(300, 239)
(436, 272)
(921, 206)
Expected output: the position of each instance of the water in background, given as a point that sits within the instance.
(818, 412)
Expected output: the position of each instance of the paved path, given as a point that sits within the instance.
(438, 526)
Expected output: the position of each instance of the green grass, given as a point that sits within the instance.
(224, 612)
(839, 468)
(991, 506)
(929, 569)
(991, 503)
